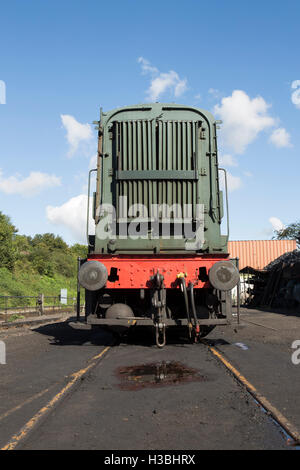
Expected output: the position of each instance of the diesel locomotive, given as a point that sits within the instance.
(158, 257)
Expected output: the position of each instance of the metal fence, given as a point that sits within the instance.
(34, 305)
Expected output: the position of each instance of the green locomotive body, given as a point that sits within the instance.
(158, 256)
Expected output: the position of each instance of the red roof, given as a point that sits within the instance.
(259, 253)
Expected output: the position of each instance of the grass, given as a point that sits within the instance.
(26, 282)
(15, 317)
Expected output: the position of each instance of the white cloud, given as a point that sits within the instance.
(162, 82)
(180, 85)
(276, 223)
(146, 66)
(281, 138)
(76, 132)
(233, 182)
(29, 186)
(243, 119)
(72, 215)
(296, 94)
(215, 93)
(166, 81)
(227, 160)
(93, 162)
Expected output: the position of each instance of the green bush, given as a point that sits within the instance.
(32, 265)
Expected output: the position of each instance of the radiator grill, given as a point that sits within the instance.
(161, 149)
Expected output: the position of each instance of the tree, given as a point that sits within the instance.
(79, 250)
(291, 232)
(7, 235)
(21, 245)
(41, 261)
(50, 240)
(50, 255)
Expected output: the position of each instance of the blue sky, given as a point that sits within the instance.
(62, 60)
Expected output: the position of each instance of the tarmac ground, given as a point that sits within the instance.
(66, 386)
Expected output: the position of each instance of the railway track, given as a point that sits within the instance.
(141, 390)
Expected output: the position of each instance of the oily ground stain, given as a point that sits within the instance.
(157, 374)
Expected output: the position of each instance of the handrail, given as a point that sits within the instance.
(88, 206)
(226, 192)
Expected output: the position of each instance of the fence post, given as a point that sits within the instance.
(6, 316)
(41, 304)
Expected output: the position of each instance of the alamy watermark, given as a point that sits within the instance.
(2, 92)
(2, 353)
(158, 221)
(296, 354)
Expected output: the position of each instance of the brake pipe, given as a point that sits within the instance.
(186, 302)
(192, 298)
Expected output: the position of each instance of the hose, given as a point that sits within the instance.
(186, 302)
(192, 298)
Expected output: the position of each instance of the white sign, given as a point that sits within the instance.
(64, 296)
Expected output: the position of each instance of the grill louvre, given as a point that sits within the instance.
(142, 145)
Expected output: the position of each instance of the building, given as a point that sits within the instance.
(259, 253)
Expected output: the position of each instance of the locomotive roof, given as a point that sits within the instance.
(154, 110)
